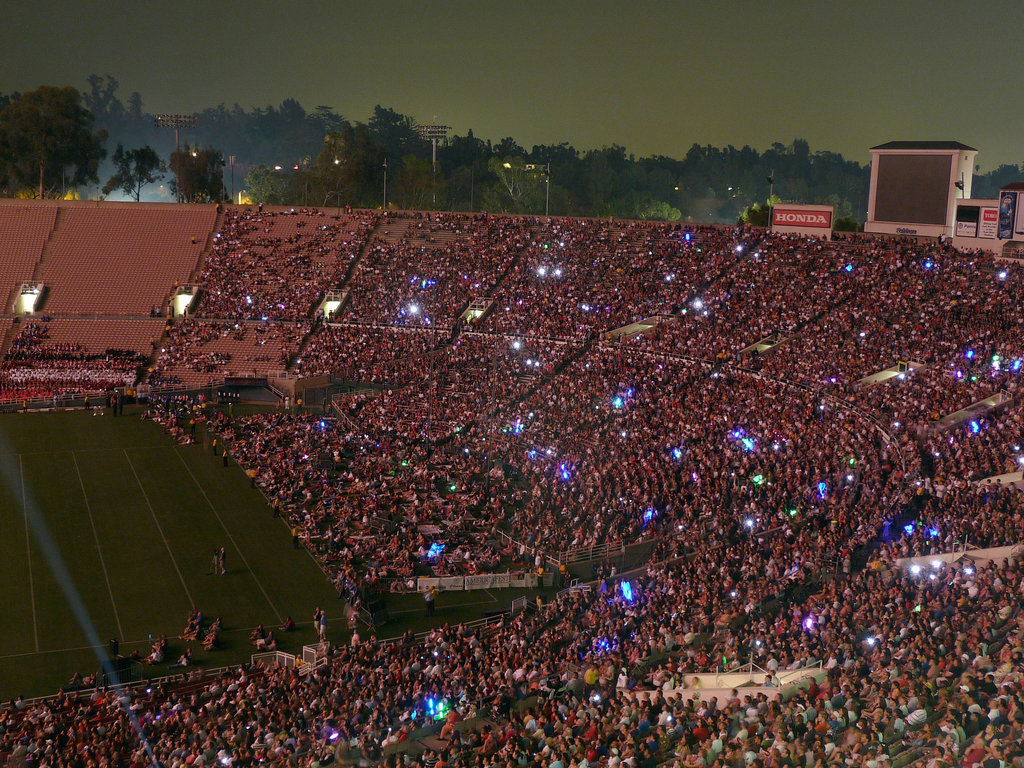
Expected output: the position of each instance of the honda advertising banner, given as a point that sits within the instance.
(803, 219)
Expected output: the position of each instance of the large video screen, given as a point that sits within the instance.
(912, 189)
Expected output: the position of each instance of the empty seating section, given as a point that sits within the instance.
(23, 233)
(138, 335)
(5, 326)
(122, 260)
(276, 264)
(198, 352)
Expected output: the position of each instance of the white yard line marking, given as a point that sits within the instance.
(238, 549)
(167, 544)
(99, 549)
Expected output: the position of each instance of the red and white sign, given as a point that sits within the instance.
(989, 225)
(792, 217)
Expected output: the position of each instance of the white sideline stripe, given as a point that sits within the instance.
(230, 537)
(167, 544)
(99, 550)
(28, 551)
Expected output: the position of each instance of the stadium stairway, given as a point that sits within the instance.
(460, 324)
(363, 250)
(47, 246)
(7, 337)
(218, 223)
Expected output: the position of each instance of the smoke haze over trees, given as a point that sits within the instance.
(287, 154)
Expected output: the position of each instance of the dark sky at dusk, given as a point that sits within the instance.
(653, 76)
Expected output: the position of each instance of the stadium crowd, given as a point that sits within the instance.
(34, 366)
(277, 264)
(428, 271)
(776, 509)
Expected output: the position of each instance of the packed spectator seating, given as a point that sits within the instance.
(926, 304)
(582, 277)
(933, 669)
(458, 385)
(277, 263)
(198, 352)
(777, 496)
(423, 271)
(978, 448)
(60, 356)
(365, 353)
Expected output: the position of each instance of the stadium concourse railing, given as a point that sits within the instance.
(194, 674)
(595, 552)
(517, 606)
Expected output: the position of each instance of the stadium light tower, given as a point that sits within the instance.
(177, 122)
(433, 133)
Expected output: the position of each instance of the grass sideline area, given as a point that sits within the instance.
(107, 530)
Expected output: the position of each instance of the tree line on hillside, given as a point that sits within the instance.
(53, 140)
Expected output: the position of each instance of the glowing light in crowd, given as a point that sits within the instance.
(627, 591)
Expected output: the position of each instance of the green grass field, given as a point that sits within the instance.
(107, 529)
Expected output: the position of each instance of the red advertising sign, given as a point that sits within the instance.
(989, 222)
(792, 217)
